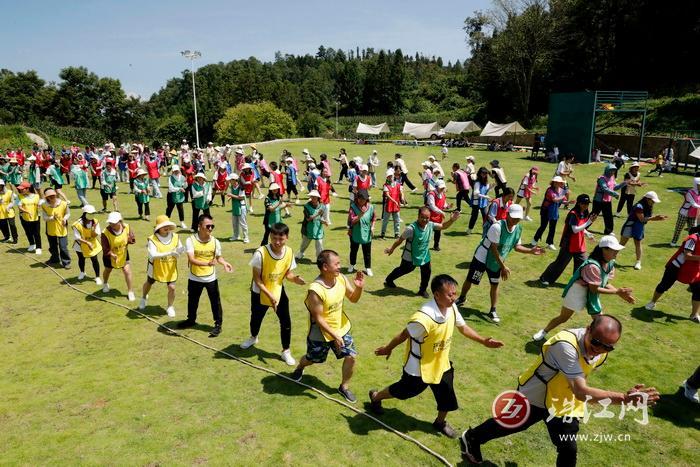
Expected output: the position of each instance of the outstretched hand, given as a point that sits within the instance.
(636, 394)
(383, 350)
(492, 343)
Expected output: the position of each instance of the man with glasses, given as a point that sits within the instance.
(557, 389)
(204, 253)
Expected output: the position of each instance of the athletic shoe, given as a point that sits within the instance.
(690, 393)
(98, 281)
(105, 288)
(246, 240)
(544, 283)
(469, 231)
(552, 247)
(31, 248)
(638, 265)
(528, 218)
(232, 239)
(216, 330)
(471, 450)
(533, 243)
(445, 429)
(297, 374)
(423, 293)
(81, 276)
(170, 311)
(347, 394)
(183, 225)
(248, 343)
(351, 269)
(389, 285)
(673, 244)
(695, 319)
(287, 357)
(437, 248)
(296, 201)
(539, 335)
(494, 317)
(460, 301)
(414, 190)
(375, 406)
(142, 303)
(66, 266)
(186, 324)
(251, 210)
(369, 272)
(38, 251)
(298, 257)
(130, 295)
(650, 306)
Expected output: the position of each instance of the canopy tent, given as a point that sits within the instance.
(499, 129)
(372, 129)
(421, 130)
(695, 153)
(461, 127)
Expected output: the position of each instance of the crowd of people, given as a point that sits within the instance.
(34, 186)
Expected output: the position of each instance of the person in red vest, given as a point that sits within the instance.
(221, 182)
(151, 162)
(683, 267)
(19, 155)
(278, 178)
(497, 210)
(437, 203)
(363, 181)
(247, 178)
(95, 170)
(393, 196)
(66, 162)
(188, 172)
(324, 185)
(132, 165)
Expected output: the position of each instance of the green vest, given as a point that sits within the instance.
(312, 229)
(14, 175)
(236, 203)
(202, 202)
(361, 232)
(110, 181)
(142, 184)
(419, 245)
(178, 182)
(506, 243)
(55, 174)
(32, 175)
(4, 168)
(272, 217)
(593, 305)
(80, 178)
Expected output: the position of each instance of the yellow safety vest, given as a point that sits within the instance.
(332, 299)
(273, 272)
(90, 236)
(165, 268)
(5, 200)
(30, 202)
(56, 228)
(435, 347)
(118, 244)
(203, 252)
(559, 396)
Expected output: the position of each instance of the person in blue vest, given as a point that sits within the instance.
(489, 257)
(416, 252)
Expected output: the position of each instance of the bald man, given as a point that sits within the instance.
(556, 386)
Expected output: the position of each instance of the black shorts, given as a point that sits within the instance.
(56, 185)
(107, 261)
(152, 281)
(292, 189)
(476, 271)
(669, 278)
(410, 386)
(106, 196)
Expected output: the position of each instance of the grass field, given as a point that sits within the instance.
(85, 382)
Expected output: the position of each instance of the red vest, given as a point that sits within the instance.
(689, 272)
(395, 192)
(248, 186)
(279, 179)
(577, 241)
(501, 209)
(440, 204)
(133, 167)
(152, 167)
(363, 184)
(220, 184)
(324, 189)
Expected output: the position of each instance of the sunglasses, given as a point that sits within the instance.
(209, 227)
(601, 345)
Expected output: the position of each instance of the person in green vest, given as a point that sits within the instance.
(312, 225)
(14, 172)
(201, 198)
(589, 281)
(416, 252)
(360, 230)
(177, 188)
(556, 390)
(4, 167)
(239, 212)
(56, 180)
(108, 186)
(490, 256)
(141, 194)
(273, 210)
(34, 177)
(80, 181)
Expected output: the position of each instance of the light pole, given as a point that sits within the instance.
(337, 103)
(193, 55)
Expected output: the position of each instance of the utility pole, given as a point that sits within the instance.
(192, 56)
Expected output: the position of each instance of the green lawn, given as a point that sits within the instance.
(85, 382)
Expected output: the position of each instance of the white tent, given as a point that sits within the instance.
(499, 129)
(421, 130)
(372, 129)
(461, 127)
(695, 153)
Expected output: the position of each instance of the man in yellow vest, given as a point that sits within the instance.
(272, 264)
(555, 388)
(164, 247)
(329, 327)
(427, 358)
(115, 240)
(56, 213)
(204, 253)
(8, 201)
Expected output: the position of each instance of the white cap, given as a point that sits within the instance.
(425, 164)
(314, 193)
(305, 151)
(222, 165)
(696, 181)
(358, 160)
(312, 165)
(89, 209)
(114, 217)
(470, 158)
(557, 178)
(441, 184)
(316, 172)
(273, 186)
(210, 143)
(363, 168)
(239, 151)
(141, 172)
(652, 196)
(609, 241)
(515, 211)
(2, 182)
(431, 157)
(174, 168)
(289, 159)
(390, 173)
(374, 151)
(200, 175)
(232, 177)
(634, 164)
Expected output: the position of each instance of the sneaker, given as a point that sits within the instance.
(31, 248)
(105, 288)
(437, 248)
(216, 330)
(170, 311)
(351, 269)
(494, 317)
(98, 281)
(296, 201)
(389, 285)
(81, 276)
(650, 306)
(695, 319)
(232, 239)
(246, 240)
(248, 343)
(638, 265)
(66, 266)
(690, 393)
(298, 257)
(469, 231)
(533, 243)
(552, 247)
(130, 295)
(423, 293)
(539, 335)
(347, 394)
(287, 357)
(460, 301)
(297, 374)
(673, 244)
(38, 251)
(369, 272)
(414, 190)
(375, 406)
(528, 218)
(544, 283)
(471, 450)
(142, 303)
(183, 225)
(445, 429)
(186, 324)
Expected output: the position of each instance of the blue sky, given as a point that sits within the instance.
(139, 42)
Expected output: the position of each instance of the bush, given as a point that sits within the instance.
(311, 124)
(172, 129)
(70, 133)
(254, 122)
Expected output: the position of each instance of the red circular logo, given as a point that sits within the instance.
(510, 409)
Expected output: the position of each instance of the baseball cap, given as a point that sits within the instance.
(609, 241)
(114, 217)
(652, 196)
(515, 211)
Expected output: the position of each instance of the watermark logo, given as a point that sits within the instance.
(510, 409)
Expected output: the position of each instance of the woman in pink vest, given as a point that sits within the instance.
(528, 186)
(605, 191)
(437, 203)
(688, 212)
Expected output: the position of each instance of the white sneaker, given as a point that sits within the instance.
(539, 335)
(528, 218)
(414, 190)
(638, 265)
(545, 283)
(287, 357)
(650, 305)
(351, 268)
(298, 257)
(130, 295)
(369, 272)
(533, 243)
(248, 343)
(246, 240)
(142, 303)
(81, 276)
(98, 281)
(673, 244)
(469, 231)
(183, 225)
(31, 248)
(105, 288)
(552, 247)
(296, 201)
(38, 251)
(250, 209)
(170, 311)
(690, 393)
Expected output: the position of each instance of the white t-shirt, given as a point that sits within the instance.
(418, 332)
(189, 247)
(493, 235)
(256, 263)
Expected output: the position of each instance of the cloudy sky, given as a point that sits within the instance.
(139, 42)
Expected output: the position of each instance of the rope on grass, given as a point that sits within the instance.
(240, 360)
